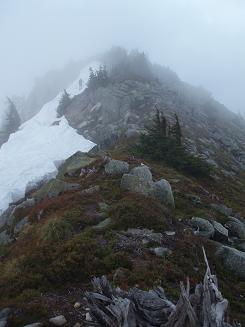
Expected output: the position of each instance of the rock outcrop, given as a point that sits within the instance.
(139, 180)
(232, 259)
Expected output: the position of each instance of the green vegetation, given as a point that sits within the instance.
(56, 230)
(64, 103)
(162, 142)
(138, 211)
(98, 78)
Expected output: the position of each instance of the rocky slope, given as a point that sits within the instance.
(125, 105)
(140, 222)
(114, 217)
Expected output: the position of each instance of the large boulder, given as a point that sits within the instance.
(135, 184)
(162, 191)
(236, 227)
(139, 180)
(142, 172)
(53, 188)
(116, 167)
(74, 163)
(233, 260)
(203, 226)
(220, 232)
(221, 208)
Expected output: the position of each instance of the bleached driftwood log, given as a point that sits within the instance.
(136, 308)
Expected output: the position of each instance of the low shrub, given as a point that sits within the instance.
(138, 211)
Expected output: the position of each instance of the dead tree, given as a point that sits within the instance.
(206, 307)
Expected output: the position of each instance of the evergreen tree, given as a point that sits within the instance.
(13, 121)
(160, 123)
(157, 144)
(176, 131)
(98, 78)
(64, 103)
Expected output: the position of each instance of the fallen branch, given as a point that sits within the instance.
(137, 308)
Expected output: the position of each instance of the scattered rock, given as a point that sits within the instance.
(77, 324)
(4, 313)
(221, 208)
(77, 305)
(233, 260)
(145, 234)
(74, 164)
(58, 320)
(25, 204)
(236, 227)
(103, 206)
(139, 180)
(90, 190)
(161, 251)
(204, 227)
(88, 316)
(162, 191)
(116, 167)
(170, 233)
(220, 232)
(102, 225)
(20, 225)
(53, 188)
(35, 324)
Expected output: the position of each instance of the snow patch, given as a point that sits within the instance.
(34, 150)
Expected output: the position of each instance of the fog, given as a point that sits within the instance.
(202, 40)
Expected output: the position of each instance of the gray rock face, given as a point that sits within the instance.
(204, 227)
(53, 188)
(35, 324)
(25, 204)
(20, 225)
(162, 191)
(71, 165)
(124, 107)
(236, 227)
(116, 167)
(5, 238)
(139, 180)
(220, 232)
(5, 217)
(233, 260)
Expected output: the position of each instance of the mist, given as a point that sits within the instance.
(202, 41)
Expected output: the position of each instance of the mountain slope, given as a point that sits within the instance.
(128, 101)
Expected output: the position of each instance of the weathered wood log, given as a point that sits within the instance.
(206, 307)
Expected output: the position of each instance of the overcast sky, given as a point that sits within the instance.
(202, 40)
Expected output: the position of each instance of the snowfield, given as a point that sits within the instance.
(30, 154)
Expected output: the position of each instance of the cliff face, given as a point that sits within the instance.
(124, 108)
